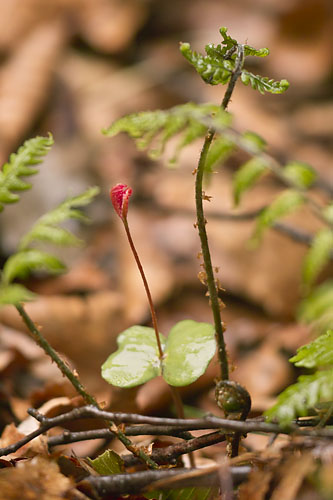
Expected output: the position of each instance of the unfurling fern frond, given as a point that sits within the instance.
(21, 165)
(217, 66)
(153, 129)
(298, 398)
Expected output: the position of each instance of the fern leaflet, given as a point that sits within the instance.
(246, 176)
(20, 165)
(295, 401)
(318, 255)
(14, 293)
(153, 129)
(317, 353)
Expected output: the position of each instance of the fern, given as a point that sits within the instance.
(13, 294)
(28, 259)
(284, 204)
(318, 255)
(263, 83)
(217, 66)
(20, 165)
(246, 176)
(153, 129)
(299, 174)
(317, 353)
(317, 309)
(47, 227)
(298, 398)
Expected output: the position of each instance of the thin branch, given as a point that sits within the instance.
(161, 479)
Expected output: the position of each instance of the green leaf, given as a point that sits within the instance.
(250, 51)
(190, 347)
(137, 359)
(318, 255)
(300, 174)
(22, 263)
(252, 142)
(318, 304)
(45, 229)
(298, 398)
(263, 83)
(187, 351)
(317, 353)
(107, 463)
(14, 294)
(246, 176)
(220, 150)
(328, 213)
(286, 203)
(20, 165)
(153, 129)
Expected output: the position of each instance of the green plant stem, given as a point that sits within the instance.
(201, 223)
(74, 380)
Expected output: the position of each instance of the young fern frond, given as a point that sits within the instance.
(153, 129)
(217, 66)
(21, 165)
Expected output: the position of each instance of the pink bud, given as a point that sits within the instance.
(119, 195)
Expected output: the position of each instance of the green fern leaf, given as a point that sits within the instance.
(246, 176)
(153, 129)
(263, 83)
(328, 213)
(318, 304)
(14, 294)
(22, 263)
(317, 353)
(20, 165)
(298, 398)
(252, 142)
(287, 202)
(250, 51)
(318, 255)
(46, 228)
(300, 174)
(220, 150)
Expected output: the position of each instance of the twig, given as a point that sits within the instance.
(179, 425)
(165, 479)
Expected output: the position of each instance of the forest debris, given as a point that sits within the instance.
(257, 485)
(293, 472)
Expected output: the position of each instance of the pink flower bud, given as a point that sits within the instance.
(120, 195)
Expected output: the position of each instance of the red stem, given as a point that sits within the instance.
(145, 283)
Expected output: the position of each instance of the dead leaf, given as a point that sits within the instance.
(257, 485)
(36, 479)
(293, 472)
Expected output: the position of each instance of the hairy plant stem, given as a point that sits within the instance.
(75, 381)
(174, 391)
(201, 223)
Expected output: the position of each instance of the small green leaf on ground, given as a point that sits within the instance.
(107, 463)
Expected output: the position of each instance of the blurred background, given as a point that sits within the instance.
(71, 67)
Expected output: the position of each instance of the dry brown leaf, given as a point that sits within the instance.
(25, 80)
(36, 479)
(84, 329)
(257, 485)
(12, 434)
(293, 472)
